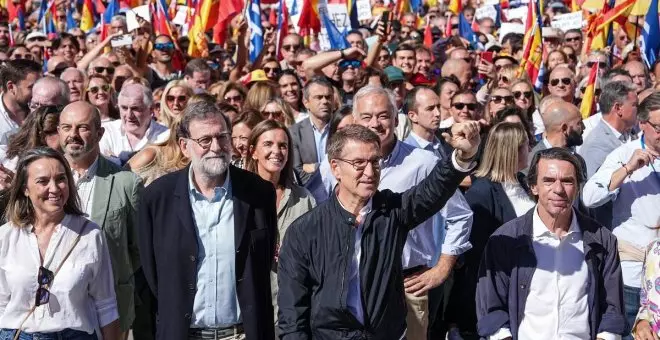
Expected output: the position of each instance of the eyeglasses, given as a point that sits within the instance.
(101, 69)
(601, 64)
(290, 47)
(95, 89)
(27, 56)
(519, 94)
(172, 99)
(500, 99)
(206, 141)
(275, 70)
(655, 127)
(44, 280)
(361, 164)
(271, 114)
(596, 91)
(555, 82)
(504, 79)
(233, 99)
(164, 46)
(460, 106)
(572, 39)
(350, 63)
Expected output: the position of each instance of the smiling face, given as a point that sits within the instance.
(289, 89)
(423, 63)
(78, 135)
(239, 139)
(271, 151)
(405, 60)
(556, 186)
(135, 115)
(463, 107)
(374, 112)
(176, 99)
(47, 186)
(214, 160)
(98, 92)
(522, 95)
(358, 183)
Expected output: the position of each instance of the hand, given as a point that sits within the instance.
(641, 158)
(6, 177)
(242, 25)
(420, 284)
(644, 331)
(354, 53)
(309, 168)
(487, 68)
(110, 37)
(380, 30)
(465, 138)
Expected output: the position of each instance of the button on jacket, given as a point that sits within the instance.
(315, 259)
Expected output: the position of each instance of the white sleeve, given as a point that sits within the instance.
(102, 286)
(596, 192)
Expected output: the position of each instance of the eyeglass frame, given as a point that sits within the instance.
(375, 163)
(217, 137)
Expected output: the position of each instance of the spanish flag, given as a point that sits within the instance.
(600, 27)
(456, 6)
(588, 105)
(206, 16)
(87, 16)
(533, 44)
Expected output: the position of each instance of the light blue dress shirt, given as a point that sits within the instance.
(216, 302)
(321, 139)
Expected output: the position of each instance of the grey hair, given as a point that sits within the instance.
(371, 90)
(599, 53)
(75, 69)
(321, 81)
(119, 18)
(353, 132)
(650, 103)
(64, 94)
(147, 95)
(614, 92)
(199, 111)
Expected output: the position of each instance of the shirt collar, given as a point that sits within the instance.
(146, 132)
(423, 143)
(617, 134)
(224, 190)
(363, 212)
(322, 131)
(392, 156)
(541, 230)
(88, 174)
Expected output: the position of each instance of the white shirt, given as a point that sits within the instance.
(518, 197)
(115, 146)
(636, 203)
(557, 305)
(8, 126)
(85, 184)
(539, 127)
(590, 123)
(6, 162)
(82, 293)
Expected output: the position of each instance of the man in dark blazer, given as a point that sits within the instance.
(207, 239)
(310, 135)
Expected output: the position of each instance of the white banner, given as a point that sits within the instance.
(568, 21)
(508, 27)
(363, 10)
(517, 13)
(487, 11)
(338, 14)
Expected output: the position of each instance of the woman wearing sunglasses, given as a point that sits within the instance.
(173, 100)
(233, 93)
(523, 97)
(272, 69)
(20, 52)
(277, 109)
(498, 99)
(100, 94)
(55, 271)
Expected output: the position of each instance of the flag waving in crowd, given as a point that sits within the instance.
(301, 169)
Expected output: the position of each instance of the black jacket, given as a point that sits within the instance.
(317, 251)
(169, 250)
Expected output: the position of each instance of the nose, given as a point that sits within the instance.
(53, 187)
(373, 123)
(369, 170)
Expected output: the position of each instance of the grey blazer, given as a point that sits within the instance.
(600, 142)
(304, 149)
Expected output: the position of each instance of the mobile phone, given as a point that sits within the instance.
(124, 40)
(386, 22)
(487, 56)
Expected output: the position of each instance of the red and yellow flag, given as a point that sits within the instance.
(87, 16)
(599, 25)
(456, 6)
(533, 45)
(206, 16)
(588, 105)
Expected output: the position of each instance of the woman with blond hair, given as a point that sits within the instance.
(498, 194)
(259, 94)
(277, 109)
(173, 100)
(100, 93)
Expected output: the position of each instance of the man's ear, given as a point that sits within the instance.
(183, 145)
(334, 167)
(534, 189)
(412, 115)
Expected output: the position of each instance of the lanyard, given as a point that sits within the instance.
(655, 172)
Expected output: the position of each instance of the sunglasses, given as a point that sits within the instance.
(274, 114)
(95, 89)
(460, 106)
(500, 99)
(601, 64)
(504, 79)
(519, 94)
(233, 99)
(275, 70)
(164, 46)
(101, 69)
(596, 91)
(572, 39)
(555, 82)
(290, 47)
(350, 63)
(172, 99)
(44, 279)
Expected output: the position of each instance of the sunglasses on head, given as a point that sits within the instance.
(555, 82)
(596, 91)
(460, 106)
(101, 69)
(180, 99)
(44, 280)
(95, 89)
(519, 94)
(164, 46)
(601, 64)
(500, 99)
(350, 63)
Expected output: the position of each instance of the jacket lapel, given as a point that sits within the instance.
(182, 195)
(241, 206)
(102, 195)
(307, 137)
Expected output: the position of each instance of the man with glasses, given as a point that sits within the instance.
(371, 228)
(18, 78)
(135, 128)
(630, 179)
(207, 239)
(595, 57)
(561, 83)
(101, 66)
(463, 107)
(573, 38)
(161, 70)
(290, 44)
(49, 91)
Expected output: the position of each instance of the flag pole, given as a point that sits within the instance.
(636, 29)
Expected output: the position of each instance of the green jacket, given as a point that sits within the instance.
(114, 208)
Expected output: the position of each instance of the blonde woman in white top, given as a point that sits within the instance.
(55, 272)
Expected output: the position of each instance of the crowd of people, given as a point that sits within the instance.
(412, 185)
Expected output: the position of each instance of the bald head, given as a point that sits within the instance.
(458, 68)
(50, 91)
(558, 113)
(80, 131)
(638, 73)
